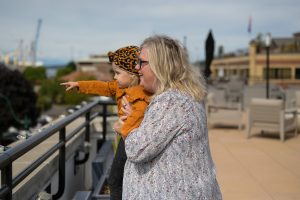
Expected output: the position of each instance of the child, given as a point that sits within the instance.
(126, 83)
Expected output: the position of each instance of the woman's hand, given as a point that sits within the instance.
(126, 106)
(70, 85)
(118, 125)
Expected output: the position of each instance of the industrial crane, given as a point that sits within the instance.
(33, 49)
(19, 54)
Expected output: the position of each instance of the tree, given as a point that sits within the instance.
(73, 97)
(221, 51)
(35, 74)
(70, 67)
(49, 93)
(17, 100)
(209, 53)
(259, 42)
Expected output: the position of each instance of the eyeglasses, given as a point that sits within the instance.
(141, 63)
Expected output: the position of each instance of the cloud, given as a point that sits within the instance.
(79, 28)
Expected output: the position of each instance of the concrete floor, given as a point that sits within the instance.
(259, 168)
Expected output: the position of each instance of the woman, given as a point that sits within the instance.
(169, 155)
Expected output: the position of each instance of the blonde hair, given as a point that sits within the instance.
(135, 80)
(169, 62)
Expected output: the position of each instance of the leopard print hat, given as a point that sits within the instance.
(126, 58)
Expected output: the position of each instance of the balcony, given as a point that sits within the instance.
(70, 159)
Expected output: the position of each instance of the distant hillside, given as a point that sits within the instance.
(50, 62)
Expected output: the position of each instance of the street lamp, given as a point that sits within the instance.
(268, 40)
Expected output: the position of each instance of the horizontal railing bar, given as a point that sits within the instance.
(22, 175)
(7, 157)
(76, 130)
(108, 114)
(81, 126)
(4, 190)
(22, 148)
(108, 102)
(94, 115)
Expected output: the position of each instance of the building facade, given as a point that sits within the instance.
(284, 63)
(96, 66)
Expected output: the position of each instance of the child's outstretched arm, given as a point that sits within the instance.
(70, 85)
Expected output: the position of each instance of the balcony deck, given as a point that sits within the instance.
(260, 168)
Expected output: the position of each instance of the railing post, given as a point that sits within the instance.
(86, 144)
(62, 164)
(6, 159)
(87, 127)
(104, 122)
(6, 179)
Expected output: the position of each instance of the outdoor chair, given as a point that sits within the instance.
(296, 101)
(296, 105)
(234, 89)
(223, 114)
(271, 115)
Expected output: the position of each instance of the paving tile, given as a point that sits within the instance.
(246, 196)
(261, 167)
(279, 196)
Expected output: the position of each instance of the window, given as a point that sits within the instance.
(279, 73)
(297, 73)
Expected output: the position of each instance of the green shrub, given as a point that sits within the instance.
(44, 103)
(73, 97)
(35, 74)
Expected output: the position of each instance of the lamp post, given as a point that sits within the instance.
(267, 43)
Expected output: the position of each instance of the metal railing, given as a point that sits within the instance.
(8, 182)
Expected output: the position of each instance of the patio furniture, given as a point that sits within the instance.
(271, 115)
(296, 104)
(234, 90)
(223, 114)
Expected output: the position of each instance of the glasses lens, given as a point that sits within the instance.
(142, 63)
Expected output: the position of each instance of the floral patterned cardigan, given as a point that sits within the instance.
(168, 155)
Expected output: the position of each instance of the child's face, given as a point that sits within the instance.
(122, 77)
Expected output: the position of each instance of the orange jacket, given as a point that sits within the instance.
(136, 96)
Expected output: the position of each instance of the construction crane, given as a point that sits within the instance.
(34, 43)
(6, 58)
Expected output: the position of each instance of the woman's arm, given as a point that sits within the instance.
(164, 120)
(135, 118)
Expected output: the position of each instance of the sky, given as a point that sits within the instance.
(75, 29)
